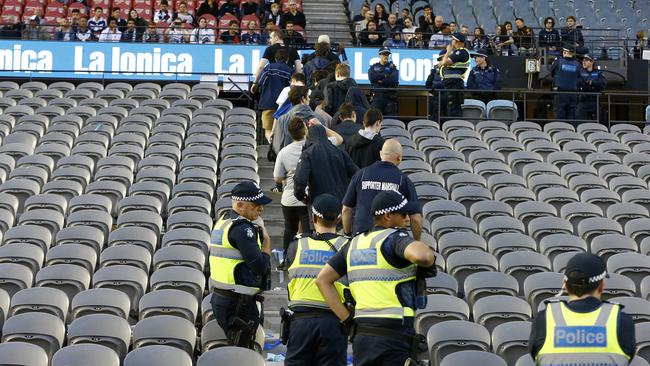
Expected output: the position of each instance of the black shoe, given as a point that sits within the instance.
(283, 266)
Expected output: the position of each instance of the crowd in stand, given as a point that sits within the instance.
(380, 28)
(232, 23)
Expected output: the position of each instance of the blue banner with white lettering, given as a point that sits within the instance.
(183, 62)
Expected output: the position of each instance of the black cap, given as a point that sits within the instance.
(588, 57)
(392, 201)
(585, 269)
(441, 54)
(458, 36)
(249, 192)
(479, 54)
(326, 207)
(384, 49)
(568, 48)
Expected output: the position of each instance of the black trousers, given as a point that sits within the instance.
(587, 109)
(564, 106)
(225, 311)
(294, 215)
(387, 106)
(454, 98)
(317, 341)
(380, 351)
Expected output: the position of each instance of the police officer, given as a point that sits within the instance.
(434, 84)
(565, 71)
(384, 74)
(368, 182)
(240, 265)
(382, 267)
(484, 77)
(454, 68)
(592, 80)
(585, 330)
(316, 337)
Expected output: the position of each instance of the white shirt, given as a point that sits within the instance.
(162, 16)
(285, 167)
(84, 36)
(176, 35)
(109, 36)
(202, 35)
(408, 33)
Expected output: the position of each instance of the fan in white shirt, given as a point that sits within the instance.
(111, 34)
(408, 31)
(202, 34)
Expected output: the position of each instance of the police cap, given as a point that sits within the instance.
(327, 207)
(585, 269)
(479, 54)
(392, 201)
(588, 57)
(458, 37)
(384, 50)
(568, 48)
(249, 192)
(441, 55)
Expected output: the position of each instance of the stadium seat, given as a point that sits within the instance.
(179, 255)
(130, 280)
(492, 311)
(610, 244)
(557, 244)
(503, 243)
(541, 286)
(159, 355)
(510, 340)
(23, 353)
(80, 354)
(165, 330)
(484, 209)
(642, 340)
(638, 309)
(469, 358)
(463, 263)
(182, 278)
(29, 256)
(618, 285)
(633, 265)
(456, 335)
(100, 301)
(228, 355)
(443, 284)
(44, 330)
(440, 308)
(522, 264)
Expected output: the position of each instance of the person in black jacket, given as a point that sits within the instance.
(336, 91)
(364, 147)
(322, 167)
(347, 126)
(357, 98)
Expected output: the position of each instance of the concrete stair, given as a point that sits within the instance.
(327, 17)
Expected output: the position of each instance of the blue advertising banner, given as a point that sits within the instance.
(183, 62)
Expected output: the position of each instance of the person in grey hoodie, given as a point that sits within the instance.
(364, 147)
(299, 98)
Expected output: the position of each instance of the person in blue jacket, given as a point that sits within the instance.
(275, 77)
(592, 80)
(484, 77)
(384, 74)
(565, 71)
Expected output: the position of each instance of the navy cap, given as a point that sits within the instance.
(249, 192)
(326, 207)
(585, 269)
(479, 54)
(588, 57)
(392, 201)
(458, 36)
(441, 55)
(384, 49)
(568, 48)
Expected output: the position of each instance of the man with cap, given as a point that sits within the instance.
(454, 68)
(384, 74)
(434, 84)
(240, 264)
(316, 337)
(484, 77)
(565, 71)
(592, 80)
(368, 182)
(585, 330)
(382, 267)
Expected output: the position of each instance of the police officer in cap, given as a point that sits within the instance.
(454, 68)
(316, 337)
(592, 80)
(565, 71)
(240, 264)
(383, 267)
(484, 77)
(434, 84)
(384, 74)
(585, 330)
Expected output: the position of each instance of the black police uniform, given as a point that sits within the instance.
(316, 337)
(566, 77)
(488, 78)
(452, 78)
(384, 76)
(367, 183)
(434, 84)
(593, 82)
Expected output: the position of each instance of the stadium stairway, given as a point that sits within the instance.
(327, 17)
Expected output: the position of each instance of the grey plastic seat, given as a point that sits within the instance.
(456, 335)
(179, 255)
(455, 241)
(492, 311)
(494, 225)
(169, 302)
(89, 236)
(194, 189)
(90, 202)
(449, 223)
(48, 202)
(541, 286)
(636, 266)
(73, 253)
(642, 333)
(41, 300)
(15, 277)
(484, 209)
(141, 218)
(623, 184)
(106, 330)
(44, 330)
(618, 285)
(503, 243)
(151, 188)
(213, 336)
(23, 354)
(190, 237)
(561, 260)
(229, 355)
(81, 354)
(139, 202)
(543, 181)
(510, 340)
(189, 203)
(440, 308)
(179, 277)
(41, 161)
(463, 263)
(637, 308)
(34, 173)
(94, 218)
(29, 234)
(469, 195)
(555, 244)
(541, 227)
(443, 284)
(483, 284)
(595, 226)
(135, 235)
(458, 180)
(131, 255)
(165, 330)
(529, 210)
(100, 301)
(558, 197)
(609, 244)
(69, 278)
(581, 183)
(562, 158)
(130, 280)
(30, 256)
(523, 264)
(514, 195)
(21, 189)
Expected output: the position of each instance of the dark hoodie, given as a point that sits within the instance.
(335, 94)
(281, 137)
(347, 129)
(364, 148)
(322, 168)
(355, 97)
(317, 63)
